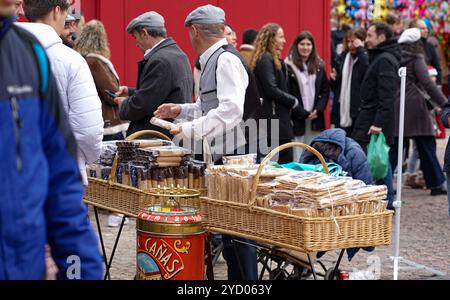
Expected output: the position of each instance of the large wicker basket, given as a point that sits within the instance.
(110, 195)
(293, 232)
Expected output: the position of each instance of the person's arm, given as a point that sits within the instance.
(191, 111)
(232, 82)
(265, 72)
(85, 111)
(69, 232)
(446, 114)
(154, 90)
(104, 80)
(434, 60)
(363, 57)
(324, 93)
(387, 85)
(421, 72)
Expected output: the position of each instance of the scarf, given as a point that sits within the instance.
(346, 89)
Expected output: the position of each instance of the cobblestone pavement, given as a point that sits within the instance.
(425, 240)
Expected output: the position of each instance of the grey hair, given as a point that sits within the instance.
(211, 30)
(154, 31)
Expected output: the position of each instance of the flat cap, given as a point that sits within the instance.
(208, 14)
(149, 19)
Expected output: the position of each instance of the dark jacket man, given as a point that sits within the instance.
(164, 76)
(378, 93)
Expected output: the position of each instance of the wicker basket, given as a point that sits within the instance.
(293, 232)
(116, 197)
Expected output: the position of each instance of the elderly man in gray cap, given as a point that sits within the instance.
(225, 86)
(164, 75)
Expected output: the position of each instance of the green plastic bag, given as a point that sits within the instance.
(378, 156)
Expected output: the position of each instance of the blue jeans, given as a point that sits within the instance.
(388, 181)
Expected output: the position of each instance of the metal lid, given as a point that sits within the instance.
(170, 215)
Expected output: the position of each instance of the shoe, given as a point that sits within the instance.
(438, 191)
(115, 220)
(411, 181)
(420, 181)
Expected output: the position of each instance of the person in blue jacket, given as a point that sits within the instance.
(335, 146)
(446, 121)
(40, 185)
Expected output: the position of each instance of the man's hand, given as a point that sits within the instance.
(168, 111)
(122, 92)
(177, 129)
(374, 130)
(333, 74)
(312, 116)
(358, 43)
(119, 100)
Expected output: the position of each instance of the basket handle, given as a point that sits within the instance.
(136, 135)
(275, 152)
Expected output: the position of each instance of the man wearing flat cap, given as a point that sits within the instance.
(164, 75)
(226, 84)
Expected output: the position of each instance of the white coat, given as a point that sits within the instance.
(78, 93)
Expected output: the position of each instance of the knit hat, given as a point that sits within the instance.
(410, 35)
(432, 71)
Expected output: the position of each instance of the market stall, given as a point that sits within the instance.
(303, 211)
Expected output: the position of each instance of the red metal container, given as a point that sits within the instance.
(170, 244)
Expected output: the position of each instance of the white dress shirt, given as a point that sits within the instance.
(232, 82)
(150, 50)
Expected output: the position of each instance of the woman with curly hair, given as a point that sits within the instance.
(271, 77)
(93, 46)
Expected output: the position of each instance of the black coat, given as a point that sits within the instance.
(299, 114)
(277, 102)
(445, 116)
(418, 83)
(378, 93)
(164, 76)
(359, 70)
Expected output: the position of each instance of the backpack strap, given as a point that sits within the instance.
(40, 57)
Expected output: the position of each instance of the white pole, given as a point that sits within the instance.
(398, 202)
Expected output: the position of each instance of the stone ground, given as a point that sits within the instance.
(425, 240)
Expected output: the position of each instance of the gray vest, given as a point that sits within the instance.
(234, 137)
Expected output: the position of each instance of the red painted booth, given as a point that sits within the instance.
(293, 15)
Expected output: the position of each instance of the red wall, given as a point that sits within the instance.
(293, 15)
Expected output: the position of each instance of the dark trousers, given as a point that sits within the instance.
(429, 164)
(241, 258)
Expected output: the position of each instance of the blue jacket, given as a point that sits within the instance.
(444, 117)
(40, 185)
(352, 158)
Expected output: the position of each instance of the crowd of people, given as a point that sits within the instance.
(71, 99)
